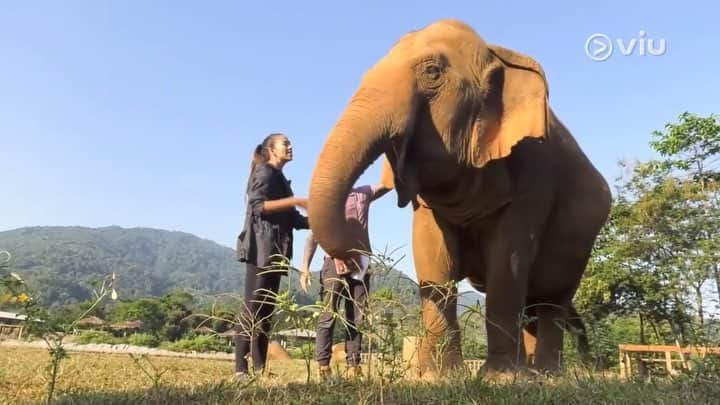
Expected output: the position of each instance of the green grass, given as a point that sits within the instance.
(116, 379)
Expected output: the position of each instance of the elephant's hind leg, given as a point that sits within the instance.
(550, 337)
(556, 277)
(435, 255)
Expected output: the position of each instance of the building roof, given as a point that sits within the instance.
(127, 325)
(229, 333)
(12, 315)
(204, 330)
(306, 333)
(91, 320)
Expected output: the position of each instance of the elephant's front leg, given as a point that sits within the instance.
(435, 251)
(529, 332)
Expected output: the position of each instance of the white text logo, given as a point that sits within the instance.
(600, 47)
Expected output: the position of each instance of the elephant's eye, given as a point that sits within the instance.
(432, 72)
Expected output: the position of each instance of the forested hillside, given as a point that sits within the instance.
(60, 263)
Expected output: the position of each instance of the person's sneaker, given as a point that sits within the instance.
(324, 372)
(354, 372)
(242, 377)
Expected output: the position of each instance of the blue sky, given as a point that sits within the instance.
(137, 113)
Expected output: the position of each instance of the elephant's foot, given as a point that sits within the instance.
(548, 365)
(504, 368)
(431, 377)
(505, 375)
(505, 361)
(548, 369)
(452, 364)
(433, 370)
(412, 374)
(435, 376)
(441, 358)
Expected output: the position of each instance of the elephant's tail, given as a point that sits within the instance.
(576, 326)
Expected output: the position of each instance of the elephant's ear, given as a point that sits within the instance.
(519, 96)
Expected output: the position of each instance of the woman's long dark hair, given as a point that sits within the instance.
(261, 154)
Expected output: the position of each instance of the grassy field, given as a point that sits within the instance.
(117, 379)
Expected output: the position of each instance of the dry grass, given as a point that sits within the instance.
(23, 373)
(116, 379)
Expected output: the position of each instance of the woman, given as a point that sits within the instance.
(267, 239)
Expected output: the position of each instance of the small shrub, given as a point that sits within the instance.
(96, 336)
(301, 352)
(201, 343)
(143, 339)
(472, 349)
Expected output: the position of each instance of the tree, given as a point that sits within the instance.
(176, 306)
(147, 310)
(626, 275)
(691, 148)
(692, 145)
(660, 244)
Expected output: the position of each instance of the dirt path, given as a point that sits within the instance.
(120, 349)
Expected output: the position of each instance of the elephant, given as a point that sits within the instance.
(502, 194)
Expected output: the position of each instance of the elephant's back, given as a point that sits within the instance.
(567, 150)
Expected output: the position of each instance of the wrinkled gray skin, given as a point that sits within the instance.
(501, 192)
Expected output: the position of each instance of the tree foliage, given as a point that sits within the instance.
(659, 250)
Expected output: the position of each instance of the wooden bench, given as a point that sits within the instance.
(625, 357)
(8, 331)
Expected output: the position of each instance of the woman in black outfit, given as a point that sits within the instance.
(267, 238)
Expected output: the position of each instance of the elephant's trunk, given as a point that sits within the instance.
(359, 137)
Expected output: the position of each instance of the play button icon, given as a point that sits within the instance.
(598, 47)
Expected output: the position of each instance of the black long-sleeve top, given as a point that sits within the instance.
(268, 234)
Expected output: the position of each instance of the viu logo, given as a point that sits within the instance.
(599, 47)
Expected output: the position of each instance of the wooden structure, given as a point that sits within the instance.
(410, 349)
(204, 330)
(11, 326)
(91, 322)
(626, 353)
(296, 335)
(128, 326)
(229, 336)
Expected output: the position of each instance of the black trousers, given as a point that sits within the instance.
(255, 317)
(354, 294)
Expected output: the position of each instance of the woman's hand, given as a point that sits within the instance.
(305, 280)
(301, 202)
(284, 204)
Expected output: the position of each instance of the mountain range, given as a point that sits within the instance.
(60, 263)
